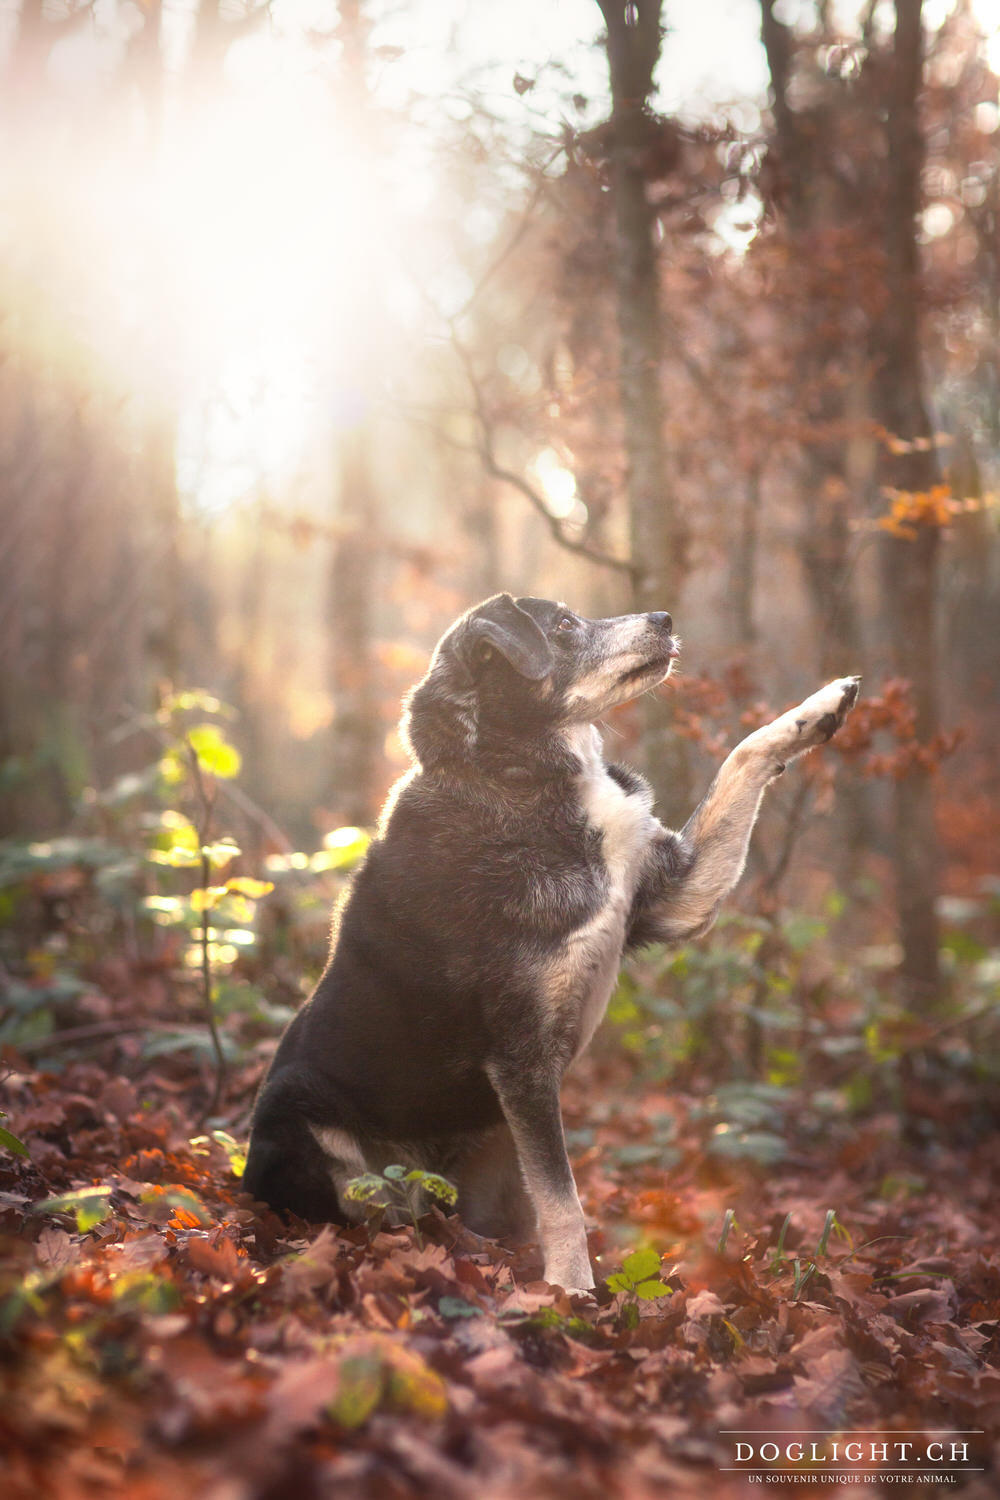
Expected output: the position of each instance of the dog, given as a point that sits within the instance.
(481, 937)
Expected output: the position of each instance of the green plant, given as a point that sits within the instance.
(397, 1189)
(198, 757)
(728, 1223)
(10, 1141)
(89, 1206)
(803, 1270)
(639, 1280)
(719, 1003)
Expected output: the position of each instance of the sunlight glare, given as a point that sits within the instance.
(558, 486)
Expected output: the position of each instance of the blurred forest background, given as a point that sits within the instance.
(321, 323)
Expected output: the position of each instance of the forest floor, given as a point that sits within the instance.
(162, 1337)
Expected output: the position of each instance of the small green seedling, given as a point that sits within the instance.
(802, 1275)
(803, 1270)
(728, 1223)
(396, 1188)
(639, 1279)
(779, 1259)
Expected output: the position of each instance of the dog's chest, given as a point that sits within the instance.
(624, 823)
(584, 972)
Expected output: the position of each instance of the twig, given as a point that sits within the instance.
(247, 805)
(793, 827)
(584, 549)
(93, 1031)
(206, 798)
(517, 481)
(515, 239)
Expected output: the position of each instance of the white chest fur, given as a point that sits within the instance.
(583, 975)
(624, 821)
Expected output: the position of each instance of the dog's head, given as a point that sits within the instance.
(516, 669)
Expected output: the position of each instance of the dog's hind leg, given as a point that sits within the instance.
(530, 1101)
(690, 874)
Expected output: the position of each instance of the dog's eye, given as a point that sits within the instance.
(566, 623)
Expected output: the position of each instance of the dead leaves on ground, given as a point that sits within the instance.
(184, 1342)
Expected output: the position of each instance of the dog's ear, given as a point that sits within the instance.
(441, 714)
(501, 625)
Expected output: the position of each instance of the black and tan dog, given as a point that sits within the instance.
(481, 938)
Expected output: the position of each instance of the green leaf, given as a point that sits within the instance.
(760, 1146)
(146, 1291)
(395, 1172)
(215, 754)
(221, 852)
(187, 1039)
(245, 885)
(641, 1265)
(618, 1283)
(206, 898)
(177, 857)
(361, 1382)
(343, 848)
(647, 1290)
(12, 1143)
(634, 1154)
(234, 1149)
(364, 1188)
(800, 931)
(457, 1307)
(439, 1187)
(91, 1206)
(413, 1386)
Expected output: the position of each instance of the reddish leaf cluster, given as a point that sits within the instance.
(893, 713)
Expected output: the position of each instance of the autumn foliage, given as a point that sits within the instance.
(188, 1341)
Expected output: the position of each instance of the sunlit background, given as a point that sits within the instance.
(258, 268)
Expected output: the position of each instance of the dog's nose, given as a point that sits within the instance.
(661, 620)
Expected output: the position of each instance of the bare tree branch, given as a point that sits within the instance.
(492, 465)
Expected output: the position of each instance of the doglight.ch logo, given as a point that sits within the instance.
(839, 1457)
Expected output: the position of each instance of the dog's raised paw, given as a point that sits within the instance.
(829, 708)
(818, 718)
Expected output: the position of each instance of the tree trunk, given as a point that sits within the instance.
(357, 728)
(633, 47)
(910, 566)
(633, 50)
(815, 208)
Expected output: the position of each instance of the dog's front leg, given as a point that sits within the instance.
(690, 874)
(529, 1098)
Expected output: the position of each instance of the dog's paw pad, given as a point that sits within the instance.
(852, 691)
(850, 688)
(817, 719)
